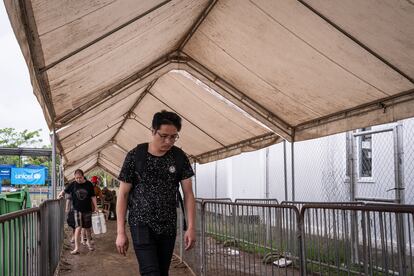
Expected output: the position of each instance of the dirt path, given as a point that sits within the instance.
(105, 260)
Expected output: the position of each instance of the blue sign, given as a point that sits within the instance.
(25, 176)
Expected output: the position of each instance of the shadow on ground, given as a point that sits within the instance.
(105, 260)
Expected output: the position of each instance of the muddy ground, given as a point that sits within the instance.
(105, 260)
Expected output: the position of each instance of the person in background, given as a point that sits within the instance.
(98, 192)
(84, 202)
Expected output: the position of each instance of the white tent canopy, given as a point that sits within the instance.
(242, 74)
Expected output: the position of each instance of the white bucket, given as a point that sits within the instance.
(98, 223)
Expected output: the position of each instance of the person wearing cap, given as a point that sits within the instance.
(96, 188)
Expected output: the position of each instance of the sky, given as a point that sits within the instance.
(19, 107)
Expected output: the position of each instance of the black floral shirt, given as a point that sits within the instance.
(153, 197)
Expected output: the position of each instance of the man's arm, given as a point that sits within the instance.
(65, 190)
(189, 201)
(121, 208)
(95, 205)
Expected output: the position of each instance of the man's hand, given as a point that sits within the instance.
(189, 238)
(60, 195)
(122, 243)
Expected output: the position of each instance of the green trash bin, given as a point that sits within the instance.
(12, 231)
(14, 201)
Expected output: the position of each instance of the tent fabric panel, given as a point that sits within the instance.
(212, 115)
(243, 79)
(92, 145)
(109, 169)
(114, 154)
(243, 146)
(84, 165)
(192, 139)
(386, 27)
(86, 134)
(106, 65)
(65, 26)
(109, 165)
(88, 116)
(90, 124)
(293, 67)
(131, 134)
(139, 80)
(392, 111)
(335, 45)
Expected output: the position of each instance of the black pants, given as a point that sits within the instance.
(153, 251)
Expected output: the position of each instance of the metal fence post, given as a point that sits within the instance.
(203, 240)
(43, 241)
(301, 237)
(399, 194)
(293, 169)
(352, 169)
(285, 170)
(53, 138)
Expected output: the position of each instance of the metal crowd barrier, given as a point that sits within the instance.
(243, 238)
(368, 240)
(341, 238)
(31, 240)
(257, 200)
(300, 204)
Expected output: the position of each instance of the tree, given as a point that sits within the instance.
(11, 138)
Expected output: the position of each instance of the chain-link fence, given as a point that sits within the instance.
(377, 165)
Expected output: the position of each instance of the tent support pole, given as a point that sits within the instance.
(53, 140)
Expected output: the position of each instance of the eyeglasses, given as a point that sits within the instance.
(173, 137)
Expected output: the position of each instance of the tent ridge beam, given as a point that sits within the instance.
(104, 158)
(384, 103)
(134, 117)
(196, 126)
(115, 144)
(238, 98)
(85, 158)
(154, 70)
(248, 142)
(358, 42)
(122, 26)
(137, 102)
(95, 160)
(197, 24)
(94, 136)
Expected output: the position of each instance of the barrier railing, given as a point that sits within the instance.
(257, 200)
(249, 238)
(327, 238)
(300, 204)
(31, 240)
(368, 240)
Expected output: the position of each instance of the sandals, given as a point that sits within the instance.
(90, 247)
(74, 252)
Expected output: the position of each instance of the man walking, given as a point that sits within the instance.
(83, 200)
(149, 179)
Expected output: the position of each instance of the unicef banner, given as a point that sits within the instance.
(25, 176)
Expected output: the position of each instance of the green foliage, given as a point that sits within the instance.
(11, 138)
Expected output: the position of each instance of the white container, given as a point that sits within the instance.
(98, 223)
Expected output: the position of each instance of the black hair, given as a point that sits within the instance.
(166, 118)
(79, 171)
